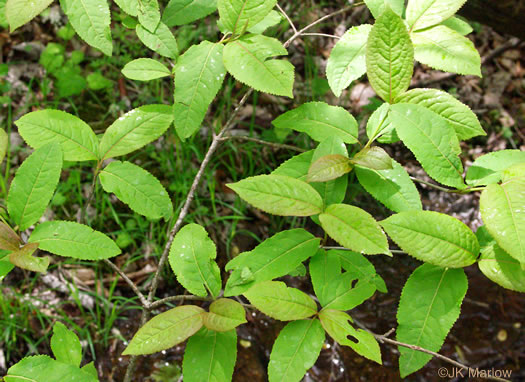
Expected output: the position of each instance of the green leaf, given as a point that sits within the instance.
(374, 158)
(42, 368)
(503, 212)
(74, 240)
(295, 350)
(320, 121)
(459, 25)
(333, 191)
(459, 115)
(515, 171)
(280, 302)
(271, 19)
(91, 20)
(66, 345)
(199, 75)
(360, 267)
(249, 60)
(337, 325)
(34, 185)
(296, 167)
(23, 258)
(9, 240)
(432, 140)
(134, 130)
(430, 304)
(393, 188)
(131, 7)
(4, 140)
(380, 127)
(78, 141)
(329, 167)
(354, 228)
(343, 291)
(5, 268)
(445, 49)
(166, 330)
(136, 187)
(239, 15)
(378, 6)
(160, 41)
(489, 168)
(90, 369)
(19, 12)
(224, 315)
(425, 13)
(145, 69)
(149, 14)
(347, 61)
(97, 81)
(279, 195)
(192, 258)
(389, 56)
(180, 12)
(275, 257)
(433, 237)
(497, 265)
(210, 356)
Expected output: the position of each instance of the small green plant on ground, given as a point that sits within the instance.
(429, 122)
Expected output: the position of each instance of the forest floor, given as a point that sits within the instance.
(105, 312)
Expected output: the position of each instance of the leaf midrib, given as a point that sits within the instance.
(172, 325)
(146, 196)
(298, 347)
(412, 229)
(146, 119)
(334, 127)
(282, 254)
(291, 301)
(260, 62)
(37, 178)
(427, 315)
(509, 204)
(432, 142)
(352, 229)
(191, 104)
(46, 127)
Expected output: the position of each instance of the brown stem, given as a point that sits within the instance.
(91, 194)
(163, 301)
(191, 194)
(184, 211)
(132, 285)
(266, 143)
(287, 18)
(384, 339)
(330, 15)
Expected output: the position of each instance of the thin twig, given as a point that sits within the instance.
(396, 251)
(131, 284)
(287, 18)
(163, 301)
(91, 194)
(184, 211)
(260, 141)
(299, 33)
(437, 187)
(384, 339)
(191, 194)
(322, 35)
